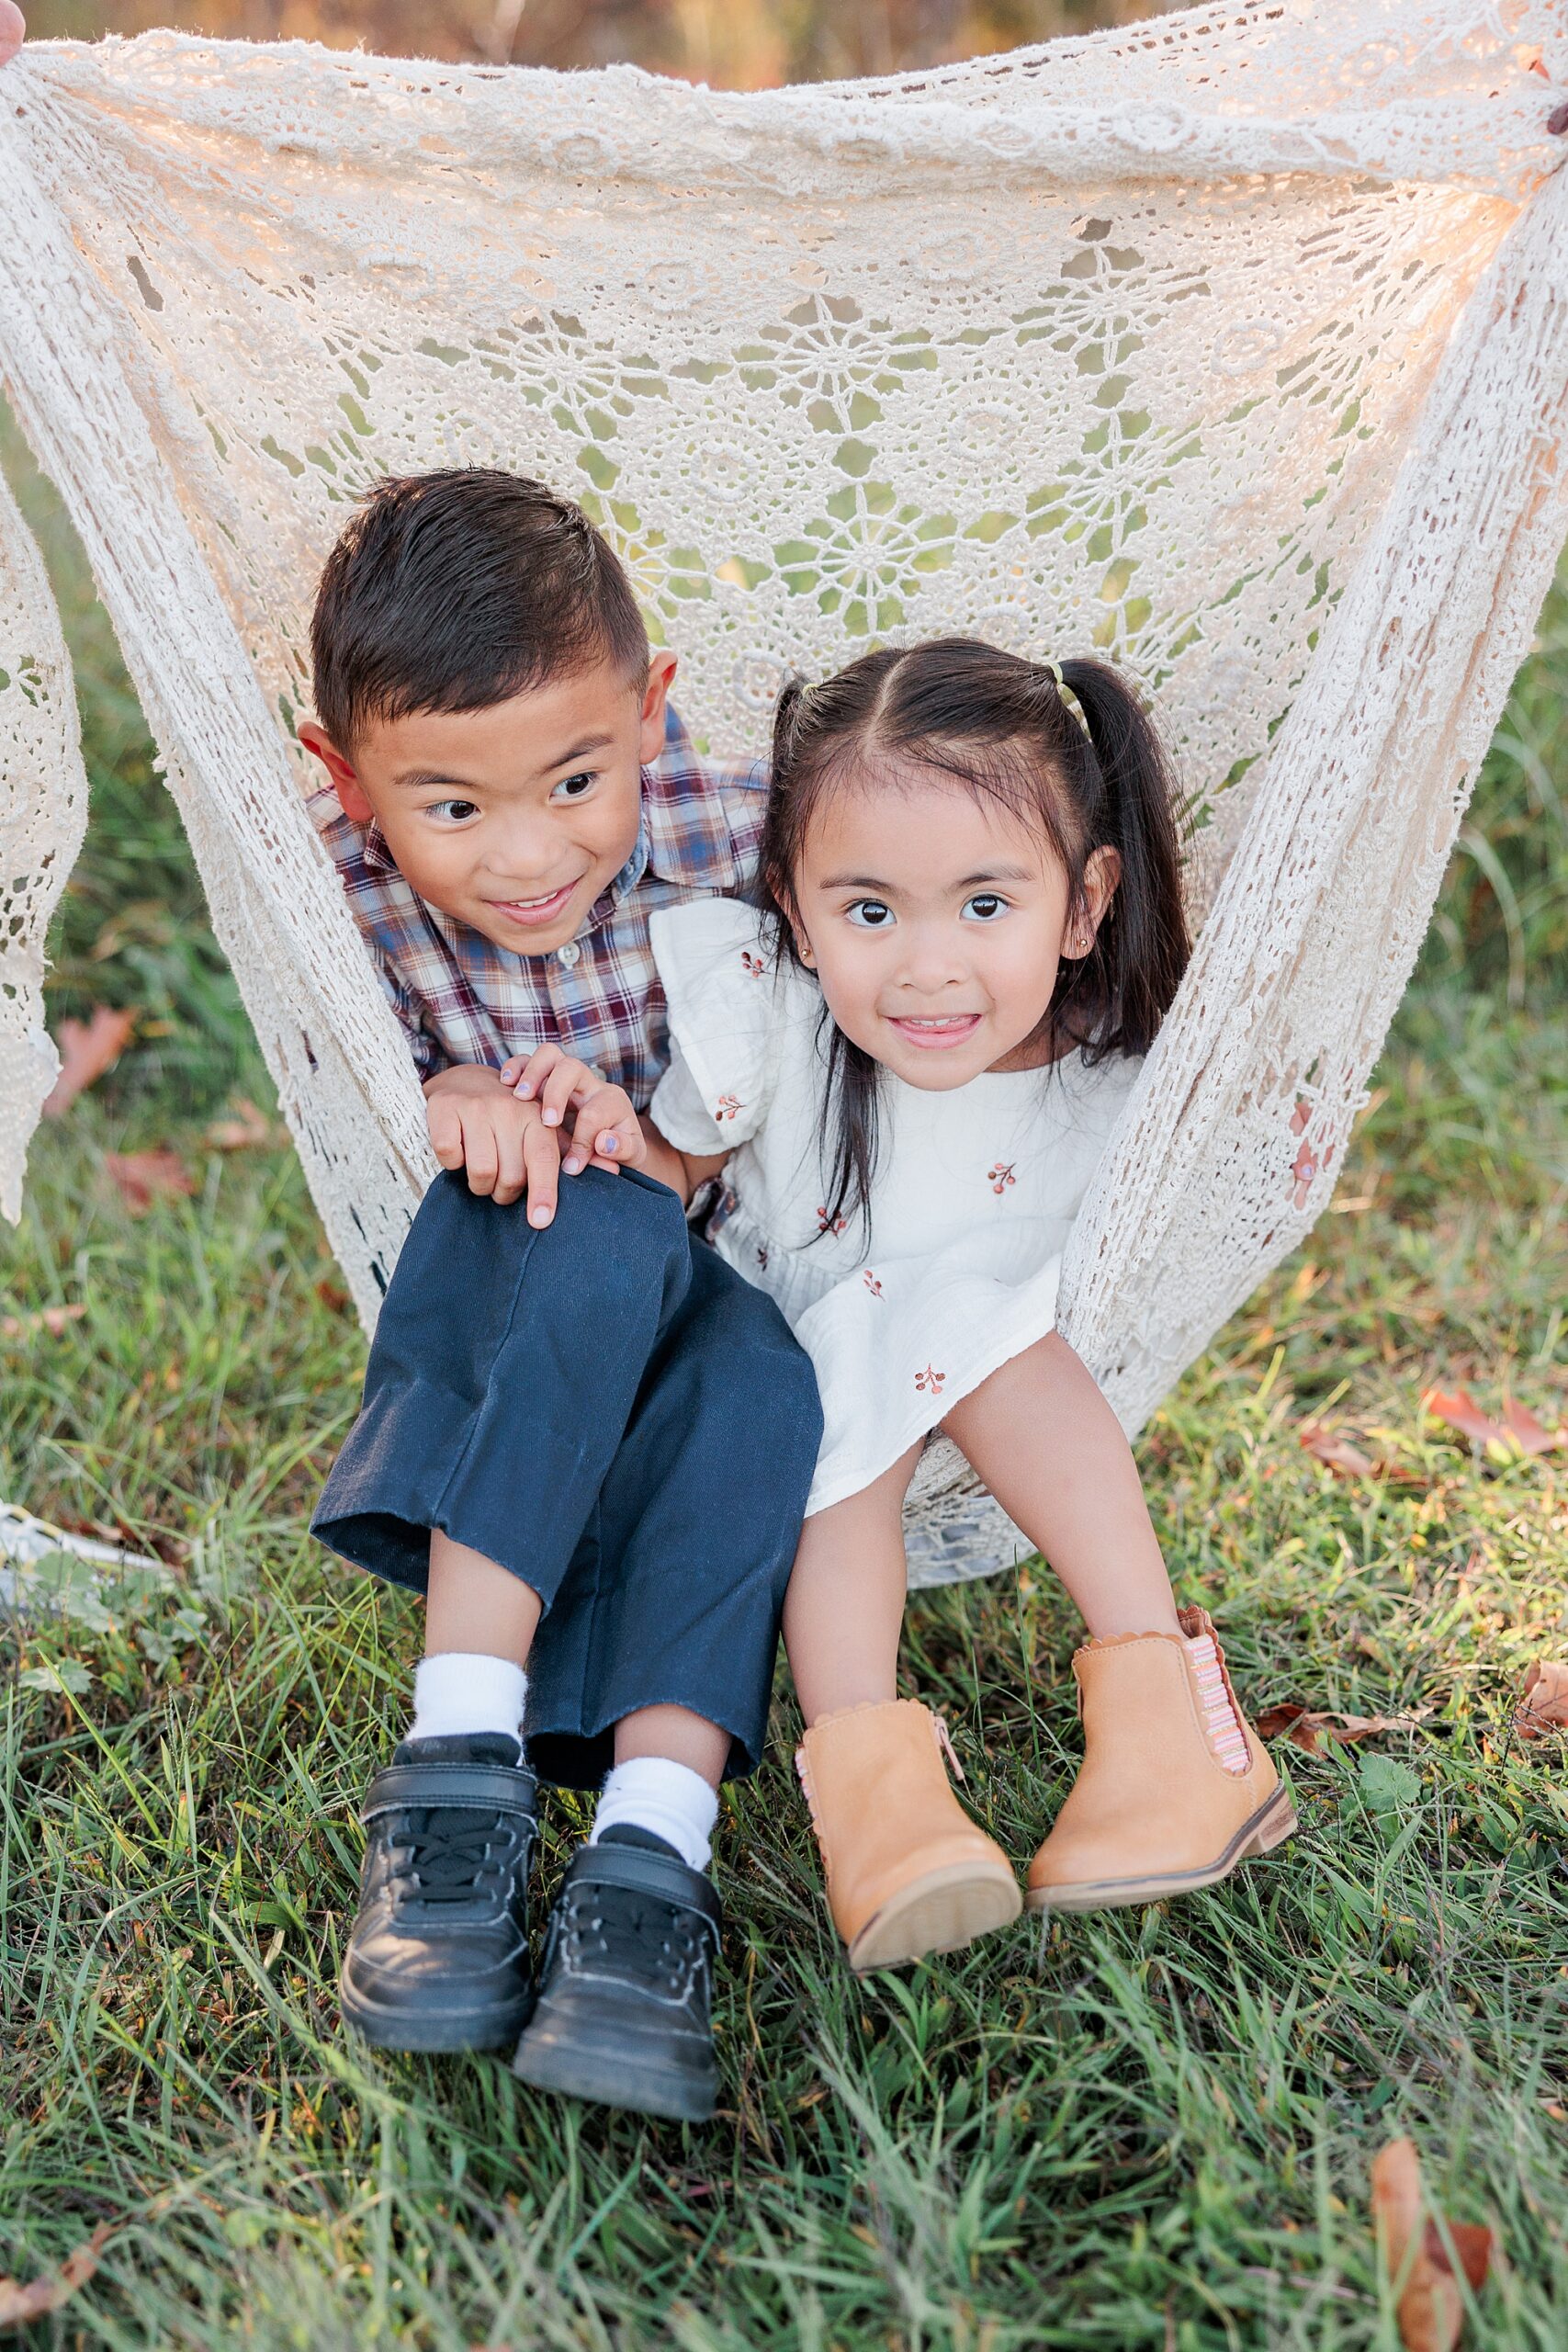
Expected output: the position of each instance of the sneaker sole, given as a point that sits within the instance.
(942, 1913)
(1267, 1828)
(614, 2082)
(446, 2034)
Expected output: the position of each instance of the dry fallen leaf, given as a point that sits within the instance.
(52, 1319)
(331, 1294)
(1336, 1450)
(247, 1130)
(1543, 1702)
(87, 1048)
(1528, 1433)
(1431, 2302)
(1307, 1728)
(144, 1177)
(1517, 1431)
(21, 2305)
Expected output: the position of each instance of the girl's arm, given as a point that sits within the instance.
(683, 1171)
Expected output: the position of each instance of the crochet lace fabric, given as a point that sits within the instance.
(1234, 345)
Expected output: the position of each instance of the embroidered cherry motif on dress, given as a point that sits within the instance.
(727, 1105)
(1001, 1176)
(825, 1224)
(928, 1382)
(762, 1255)
(754, 964)
(869, 1279)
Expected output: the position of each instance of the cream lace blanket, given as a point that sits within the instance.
(1235, 345)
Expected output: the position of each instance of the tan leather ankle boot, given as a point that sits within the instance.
(1154, 1811)
(907, 1870)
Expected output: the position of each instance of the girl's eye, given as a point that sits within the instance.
(986, 906)
(453, 812)
(574, 787)
(870, 914)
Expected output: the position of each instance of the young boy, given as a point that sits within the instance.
(583, 1438)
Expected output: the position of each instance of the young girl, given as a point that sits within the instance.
(906, 1066)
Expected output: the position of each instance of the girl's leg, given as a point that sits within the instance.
(908, 1872)
(844, 1608)
(1041, 1436)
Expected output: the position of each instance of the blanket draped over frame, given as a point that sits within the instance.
(1233, 345)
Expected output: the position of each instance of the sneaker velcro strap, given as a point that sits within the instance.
(641, 1872)
(479, 1788)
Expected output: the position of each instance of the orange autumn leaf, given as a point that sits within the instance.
(143, 1177)
(1543, 1702)
(1516, 1431)
(247, 1129)
(1334, 1449)
(52, 1319)
(1527, 1431)
(1431, 2301)
(21, 2305)
(1308, 1727)
(87, 1048)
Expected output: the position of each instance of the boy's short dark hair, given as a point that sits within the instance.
(455, 590)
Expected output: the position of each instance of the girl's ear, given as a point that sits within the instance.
(1100, 877)
(797, 932)
(350, 791)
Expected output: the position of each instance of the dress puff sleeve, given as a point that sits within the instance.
(726, 1004)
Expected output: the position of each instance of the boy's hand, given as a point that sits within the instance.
(605, 1132)
(478, 1124)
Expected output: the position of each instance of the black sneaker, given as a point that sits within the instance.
(438, 1959)
(625, 2007)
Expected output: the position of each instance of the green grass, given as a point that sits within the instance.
(1149, 2129)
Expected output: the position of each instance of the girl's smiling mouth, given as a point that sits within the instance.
(935, 1030)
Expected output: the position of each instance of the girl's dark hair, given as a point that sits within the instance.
(1002, 729)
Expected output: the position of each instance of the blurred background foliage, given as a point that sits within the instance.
(734, 44)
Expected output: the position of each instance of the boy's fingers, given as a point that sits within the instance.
(541, 1157)
(480, 1156)
(446, 1134)
(509, 1166)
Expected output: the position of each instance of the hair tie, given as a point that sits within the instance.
(1069, 700)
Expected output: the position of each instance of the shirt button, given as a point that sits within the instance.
(569, 953)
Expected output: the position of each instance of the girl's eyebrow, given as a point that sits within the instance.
(968, 882)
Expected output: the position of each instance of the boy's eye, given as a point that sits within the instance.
(985, 906)
(453, 812)
(574, 787)
(870, 914)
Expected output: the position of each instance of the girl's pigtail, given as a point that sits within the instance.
(1132, 973)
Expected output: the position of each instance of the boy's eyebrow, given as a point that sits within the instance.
(425, 779)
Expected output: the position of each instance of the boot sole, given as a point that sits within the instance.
(940, 1912)
(614, 2082)
(1268, 1826)
(440, 2035)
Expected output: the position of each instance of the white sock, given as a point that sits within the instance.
(1220, 1721)
(460, 1692)
(670, 1799)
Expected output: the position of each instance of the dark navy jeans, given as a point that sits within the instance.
(607, 1409)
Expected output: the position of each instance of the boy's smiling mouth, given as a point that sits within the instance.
(535, 913)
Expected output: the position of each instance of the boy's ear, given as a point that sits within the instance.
(350, 791)
(661, 669)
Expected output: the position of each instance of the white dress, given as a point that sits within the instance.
(973, 1198)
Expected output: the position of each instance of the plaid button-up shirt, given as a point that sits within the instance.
(462, 999)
